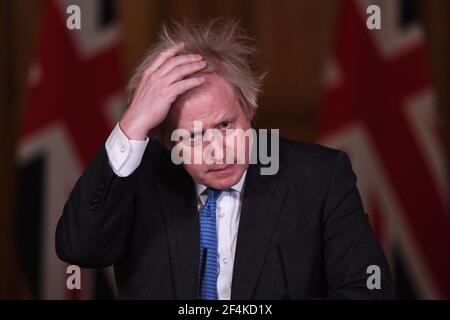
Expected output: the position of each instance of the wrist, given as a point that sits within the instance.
(132, 130)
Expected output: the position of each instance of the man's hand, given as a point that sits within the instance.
(160, 85)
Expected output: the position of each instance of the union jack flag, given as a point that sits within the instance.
(379, 107)
(73, 100)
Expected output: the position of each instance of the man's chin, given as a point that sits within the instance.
(221, 180)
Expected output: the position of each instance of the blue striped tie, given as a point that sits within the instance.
(208, 247)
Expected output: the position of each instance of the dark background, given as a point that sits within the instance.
(293, 37)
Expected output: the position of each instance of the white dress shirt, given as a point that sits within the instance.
(228, 212)
(125, 156)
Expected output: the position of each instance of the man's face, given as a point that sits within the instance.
(216, 106)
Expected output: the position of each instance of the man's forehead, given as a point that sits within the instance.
(211, 101)
(214, 85)
(205, 117)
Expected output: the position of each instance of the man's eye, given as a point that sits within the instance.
(224, 124)
(194, 137)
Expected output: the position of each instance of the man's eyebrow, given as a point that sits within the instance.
(228, 118)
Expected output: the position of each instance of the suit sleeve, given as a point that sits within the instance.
(96, 220)
(350, 245)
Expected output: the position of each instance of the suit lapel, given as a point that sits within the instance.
(178, 203)
(263, 199)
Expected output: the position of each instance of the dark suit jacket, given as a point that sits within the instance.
(303, 232)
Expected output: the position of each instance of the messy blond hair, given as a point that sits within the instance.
(225, 48)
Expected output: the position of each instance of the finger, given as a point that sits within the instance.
(182, 86)
(184, 70)
(161, 59)
(176, 61)
(164, 56)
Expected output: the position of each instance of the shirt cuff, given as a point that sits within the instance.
(124, 155)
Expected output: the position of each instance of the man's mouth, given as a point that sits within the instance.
(220, 168)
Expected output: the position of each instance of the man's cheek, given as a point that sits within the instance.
(184, 153)
(236, 149)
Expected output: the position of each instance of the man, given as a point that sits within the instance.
(215, 229)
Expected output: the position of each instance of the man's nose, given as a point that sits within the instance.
(217, 153)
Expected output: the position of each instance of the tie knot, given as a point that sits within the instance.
(213, 194)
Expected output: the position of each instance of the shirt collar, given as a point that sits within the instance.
(200, 188)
